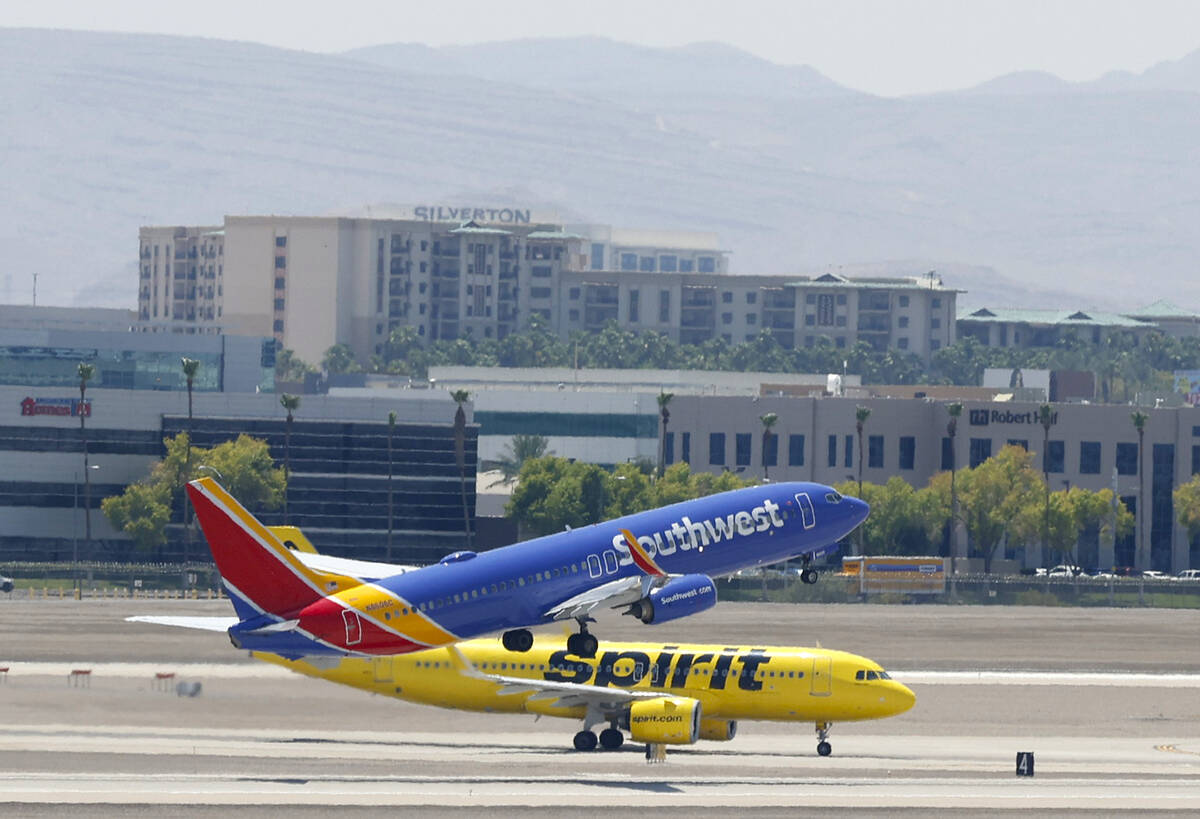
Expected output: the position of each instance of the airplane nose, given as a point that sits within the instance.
(902, 698)
(859, 509)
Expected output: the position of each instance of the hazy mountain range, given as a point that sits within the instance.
(1026, 190)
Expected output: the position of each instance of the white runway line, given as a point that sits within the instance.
(258, 670)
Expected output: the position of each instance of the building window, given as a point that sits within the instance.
(541, 271)
(743, 442)
(1127, 460)
(597, 256)
(280, 262)
(278, 304)
(280, 282)
(875, 451)
(981, 450)
(1055, 457)
(934, 344)
(664, 306)
(646, 264)
(280, 241)
(848, 445)
(634, 299)
(668, 264)
(727, 318)
(716, 448)
(904, 301)
(825, 310)
(902, 343)
(795, 450)
(685, 265)
(902, 322)
(751, 298)
(752, 318)
(539, 292)
(935, 323)
(686, 448)
(669, 448)
(832, 461)
(278, 325)
(809, 320)
(908, 450)
(629, 261)
(727, 297)
(1089, 458)
(573, 294)
(572, 314)
(839, 342)
(937, 303)
(841, 299)
(1021, 442)
(840, 321)
(706, 264)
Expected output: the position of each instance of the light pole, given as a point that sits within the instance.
(75, 529)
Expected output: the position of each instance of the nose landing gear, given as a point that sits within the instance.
(807, 573)
(823, 746)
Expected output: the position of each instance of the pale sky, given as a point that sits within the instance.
(887, 48)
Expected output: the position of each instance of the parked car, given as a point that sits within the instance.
(1153, 574)
(1065, 570)
(6, 584)
(1189, 574)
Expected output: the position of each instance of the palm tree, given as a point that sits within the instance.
(520, 449)
(1046, 418)
(768, 420)
(664, 398)
(461, 397)
(86, 372)
(291, 403)
(954, 410)
(861, 414)
(1139, 548)
(391, 432)
(190, 367)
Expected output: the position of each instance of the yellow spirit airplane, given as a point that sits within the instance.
(660, 694)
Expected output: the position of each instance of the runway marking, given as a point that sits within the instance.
(260, 670)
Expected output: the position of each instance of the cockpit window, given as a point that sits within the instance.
(833, 497)
(867, 674)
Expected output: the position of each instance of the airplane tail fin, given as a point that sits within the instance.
(261, 574)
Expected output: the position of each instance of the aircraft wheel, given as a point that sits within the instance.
(611, 739)
(824, 748)
(583, 644)
(808, 576)
(585, 741)
(520, 639)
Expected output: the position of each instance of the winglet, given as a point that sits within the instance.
(640, 557)
(465, 666)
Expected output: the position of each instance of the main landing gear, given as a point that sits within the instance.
(583, 644)
(823, 746)
(611, 739)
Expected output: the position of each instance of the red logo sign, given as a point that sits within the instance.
(56, 406)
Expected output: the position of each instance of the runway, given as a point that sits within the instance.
(1109, 734)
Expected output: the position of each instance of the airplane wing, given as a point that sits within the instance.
(619, 592)
(561, 694)
(204, 623)
(616, 593)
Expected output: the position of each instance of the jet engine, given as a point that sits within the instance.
(679, 597)
(665, 721)
(720, 730)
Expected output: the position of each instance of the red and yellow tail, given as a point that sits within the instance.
(255, 566)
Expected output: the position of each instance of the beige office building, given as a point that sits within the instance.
(451, 272)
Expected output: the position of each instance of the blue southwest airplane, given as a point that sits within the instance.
(656, 565)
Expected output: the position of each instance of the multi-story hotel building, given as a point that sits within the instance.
(312, 282)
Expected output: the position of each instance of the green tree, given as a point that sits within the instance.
(992, 497)
(861, 414)
(461, 397)
(291, 403)
(1139, 419)
(903, 520)
(553, 494)
(517, 451)
(86, 372)
(768, 420)
(954, 412)
(339, 359)
(1187, 505)
(190, 367)
(1046, 419)
(664, 399)
(628, 490)
(246, 468)
(290, 367)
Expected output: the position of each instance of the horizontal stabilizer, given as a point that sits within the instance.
(203, 623)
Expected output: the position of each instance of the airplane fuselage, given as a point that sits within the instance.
(730, 682)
